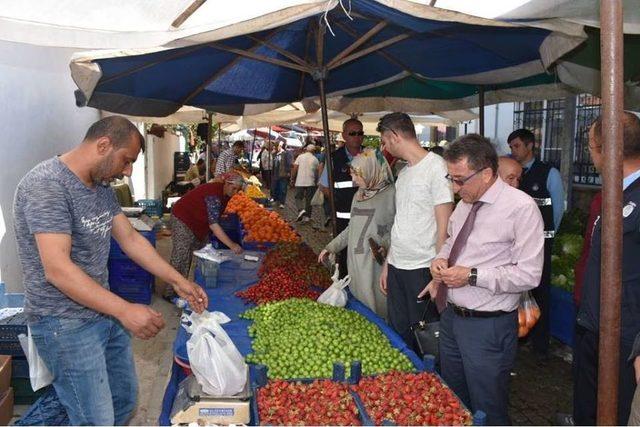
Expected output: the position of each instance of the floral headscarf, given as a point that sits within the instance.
(371, 165)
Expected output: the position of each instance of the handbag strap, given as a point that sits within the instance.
(426, 309)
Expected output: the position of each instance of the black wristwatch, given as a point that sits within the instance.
(473, 277)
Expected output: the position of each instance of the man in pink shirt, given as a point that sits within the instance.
(494, 253)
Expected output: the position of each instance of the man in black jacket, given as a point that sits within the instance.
(585, 358)
(343, 188)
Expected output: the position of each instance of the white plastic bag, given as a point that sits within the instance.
(215, 361)
(318, 198)
(336, 295)
(38, 372)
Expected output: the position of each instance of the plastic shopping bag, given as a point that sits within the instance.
(336, 295)
(318, 198)
(39, 374)
(215, 361)
(528, 314)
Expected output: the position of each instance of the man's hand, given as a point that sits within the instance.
(323, 255)
(636, 367)
(236, 249)
(438, 265)
(193, 294)
(142, 321)
(383, 278)
(431, 289)
(456, 276)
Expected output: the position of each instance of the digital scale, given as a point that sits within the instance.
(191, 405)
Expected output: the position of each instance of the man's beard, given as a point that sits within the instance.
(101, 175)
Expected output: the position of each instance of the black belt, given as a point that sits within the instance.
(465, 312)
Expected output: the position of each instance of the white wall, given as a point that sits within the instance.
(160, 163)
(498, 124)
(38, 119)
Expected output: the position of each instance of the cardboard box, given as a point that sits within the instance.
(223, 412)
(5, 373)
(6, 407)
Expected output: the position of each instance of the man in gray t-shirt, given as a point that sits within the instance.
(65, 214)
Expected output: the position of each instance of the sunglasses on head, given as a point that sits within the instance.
(356, 133)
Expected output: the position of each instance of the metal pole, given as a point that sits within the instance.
(253, 144)
(611, 58)
(208, 146)
(481, 108)
(327, 148)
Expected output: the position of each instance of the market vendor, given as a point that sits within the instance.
(372, 213)
(65, 215)
(196, 214)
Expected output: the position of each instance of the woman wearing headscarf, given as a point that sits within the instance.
(196, 214)
(372, 213)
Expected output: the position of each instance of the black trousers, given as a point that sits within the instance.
(403, 287)
(476, 359)
(585, 379)
(541, 331)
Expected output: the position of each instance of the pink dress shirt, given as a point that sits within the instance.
(506, 245)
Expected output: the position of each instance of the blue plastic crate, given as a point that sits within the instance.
(152, 207)
(253, 246)
(19, 367)
(230, 224)
(562, 315)
(130, 281)
(116, 252)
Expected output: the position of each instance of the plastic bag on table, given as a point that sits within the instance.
(528, 314)
(336, 295)
(215, 361)
(39, 374)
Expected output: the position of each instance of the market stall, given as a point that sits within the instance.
(262, 292)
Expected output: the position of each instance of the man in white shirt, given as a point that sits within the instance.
(424, 201)
(304, 176)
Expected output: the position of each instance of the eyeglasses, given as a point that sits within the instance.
(354, 133)
(461, 182)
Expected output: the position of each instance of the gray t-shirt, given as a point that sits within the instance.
(52, 199)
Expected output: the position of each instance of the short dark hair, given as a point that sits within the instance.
(200, 161)
(351, 120)
(238, 144)
(630, 135)
(398, 123)
(477, 149)
(117, 128)
(525, 135)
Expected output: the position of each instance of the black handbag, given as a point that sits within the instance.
(427, 334)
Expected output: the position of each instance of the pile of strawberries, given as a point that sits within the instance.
(300, 260)
(319, 403)
(411, 399)
(277, 285)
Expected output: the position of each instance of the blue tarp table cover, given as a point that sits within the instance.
(223, 299)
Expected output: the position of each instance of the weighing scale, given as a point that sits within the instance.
(191, 405)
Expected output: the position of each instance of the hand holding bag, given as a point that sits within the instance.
(427, 334)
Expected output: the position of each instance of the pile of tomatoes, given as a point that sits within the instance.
(278, 285)
(321, 402)
(260, 224)
(411, 399)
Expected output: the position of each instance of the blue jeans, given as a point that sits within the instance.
(280, 190)
(92, 365)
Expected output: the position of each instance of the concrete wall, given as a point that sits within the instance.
(160, 163)
(39, 119)
(498, 124)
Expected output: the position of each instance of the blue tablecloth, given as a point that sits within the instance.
(223, 299)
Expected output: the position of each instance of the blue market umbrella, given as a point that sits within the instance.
(371, 44)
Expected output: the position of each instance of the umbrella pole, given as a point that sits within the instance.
(327, 148)
(481, 108)
(253, 144)
(611, 57)
(208, 146)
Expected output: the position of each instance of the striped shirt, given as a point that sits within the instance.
(226, 160)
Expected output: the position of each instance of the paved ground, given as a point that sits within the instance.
(537, 392)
